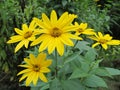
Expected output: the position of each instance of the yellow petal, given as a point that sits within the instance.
(25, 27)
(44, 70)
(68, 21)
(32, 25)
(15, 39)
(104, 46)
(100, 34)
(53, 17)
(24, 71)
(83, 25)
(62, 18)
(65, 39)
(46, 63)
(19, 45)
(51, 46)
(74, 36)
(89, 32)
(41, 57)
(25, 66)
(18, 31)
(28, 61)
(35, 78)
(23, 77)
(93, 37)
(26, 43)
(30, 78)
(94, 45)
(60, 47)
(76, 24)
(38, 40)
(46, 20)
(42, 77)
(45, 43)
(69, 28)
(114, 42)
(107, 37)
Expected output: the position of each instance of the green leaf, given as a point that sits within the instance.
(64, 3)
(95, 81)
(72, 85)
(91, 55)
(71, 57)
(55, 85)
(113, 71)
(78, 73)
(102, 72)
(83, 45)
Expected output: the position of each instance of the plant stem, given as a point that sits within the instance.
(56, 61)
(75, 43)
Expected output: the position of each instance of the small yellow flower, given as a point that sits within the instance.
(55, 32)
(35, 69)
(24, 36)
(82, 29)
(104, 40)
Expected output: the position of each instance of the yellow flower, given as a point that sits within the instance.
(24, 36)
(35, 69)
(104, 40)
(55, 32)
(82, 29)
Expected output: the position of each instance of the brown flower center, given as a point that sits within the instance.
(102, 41)
(80, 30)
(36, 68)
(56, 32)
(27, 35)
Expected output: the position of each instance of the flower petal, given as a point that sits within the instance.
(19, 45)
(18, 31)
(104, 46)
(53, 17)
(42, 77)
(44, 70)
(94, 45)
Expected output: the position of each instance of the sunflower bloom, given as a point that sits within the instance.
(104, 40)
(24, 36)
(82, 29)
(55, 32)
(35, 69)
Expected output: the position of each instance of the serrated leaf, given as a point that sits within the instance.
(113, 71)
(95, 81)
(78, 74)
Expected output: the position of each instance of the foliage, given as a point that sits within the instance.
(80, 66)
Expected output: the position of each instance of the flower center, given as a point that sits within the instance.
(27, 35)
(102, 41)
(36, 68)
(80, 30)
(56, 32)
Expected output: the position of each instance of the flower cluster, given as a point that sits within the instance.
(52, 34)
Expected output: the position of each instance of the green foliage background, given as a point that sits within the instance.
(13, 13)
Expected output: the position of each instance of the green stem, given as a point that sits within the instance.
(75, 43)
(56, 61)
